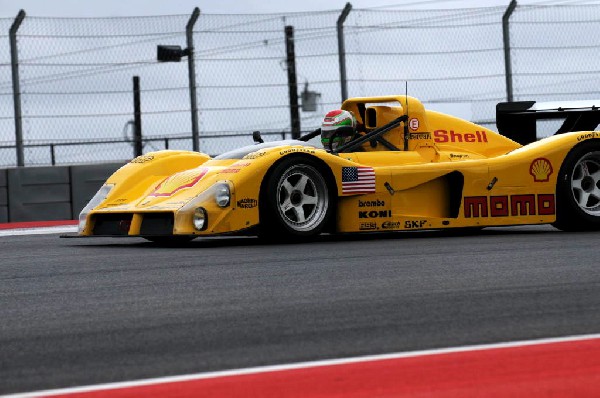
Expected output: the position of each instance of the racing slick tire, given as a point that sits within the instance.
(578, 189)
(296, 200)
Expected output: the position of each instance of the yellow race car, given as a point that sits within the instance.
(399, 167)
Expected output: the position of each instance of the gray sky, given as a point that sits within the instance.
(104, 8)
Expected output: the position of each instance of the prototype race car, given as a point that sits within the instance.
(403, 168)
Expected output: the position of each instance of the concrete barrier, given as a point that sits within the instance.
(49, 193)
(39, 193)
(3, 197)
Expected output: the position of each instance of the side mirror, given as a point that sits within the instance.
(257, 138)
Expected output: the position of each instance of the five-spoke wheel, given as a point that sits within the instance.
(296, 199)
(578, 189)
(585, 183)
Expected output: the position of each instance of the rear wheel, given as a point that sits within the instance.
(296, 200)
(578, 190)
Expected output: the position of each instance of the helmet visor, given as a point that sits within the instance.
(335, 138)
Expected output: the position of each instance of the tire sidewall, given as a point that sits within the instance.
(272, 224)
(569, 215)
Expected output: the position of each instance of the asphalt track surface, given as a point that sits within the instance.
(85, 311)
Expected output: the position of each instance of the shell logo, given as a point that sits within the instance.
(541, 170)
(179, 181)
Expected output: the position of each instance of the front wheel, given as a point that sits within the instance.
(296, 200)
(578, 190)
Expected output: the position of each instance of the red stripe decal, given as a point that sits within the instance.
(37, 224)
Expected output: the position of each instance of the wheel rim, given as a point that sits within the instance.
(302, 198)
(585, 183)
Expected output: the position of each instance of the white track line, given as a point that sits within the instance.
(302, 365)
(38, 231)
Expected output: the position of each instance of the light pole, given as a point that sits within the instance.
(174, 54)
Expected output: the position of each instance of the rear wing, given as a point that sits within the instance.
(517, 120)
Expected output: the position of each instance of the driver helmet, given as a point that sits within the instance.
(337, 129)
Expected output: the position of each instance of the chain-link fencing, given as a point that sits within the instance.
(76, 74)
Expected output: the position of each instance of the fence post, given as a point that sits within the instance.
(506, 38)
(189, 32)
(342, 49)
(137, 118)
(14, 60)
(292, 81)
(52, 155)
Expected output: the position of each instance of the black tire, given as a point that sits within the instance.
(578, 189)
(296, 200)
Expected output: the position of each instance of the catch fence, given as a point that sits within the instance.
(75, 86)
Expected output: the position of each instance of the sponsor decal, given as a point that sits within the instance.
(358, 180)
(371, 203)
(115, 207)
(247, 203)
(254, 155)
(391, 225)
(587, 136)
(443, 136)
(513, 205)
(458, 156)
(375, 214)
(419, 136)
(413, 124)
(367, 226)
(230, 171)
(179, 181)
(540, 170)
(143, 159)
(301, 150)
(414, 224)
(108, 205)
(235, 168)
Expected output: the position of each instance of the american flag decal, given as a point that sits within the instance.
(358, 180)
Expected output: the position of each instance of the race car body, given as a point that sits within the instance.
(408, 169)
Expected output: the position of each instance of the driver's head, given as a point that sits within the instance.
(337, 129)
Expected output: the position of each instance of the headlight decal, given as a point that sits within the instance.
(95, 201)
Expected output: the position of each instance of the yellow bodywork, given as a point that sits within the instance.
(452, 174)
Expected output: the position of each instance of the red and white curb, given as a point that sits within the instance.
(38, 227)
(561, 367)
